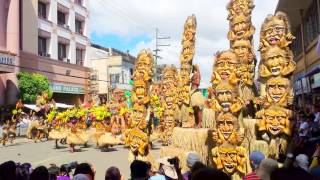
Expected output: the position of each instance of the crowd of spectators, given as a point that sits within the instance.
(263, 168)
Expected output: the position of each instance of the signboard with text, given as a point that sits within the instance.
(61, 88)
(316, 80)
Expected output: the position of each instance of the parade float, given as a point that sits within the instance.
(242, 117)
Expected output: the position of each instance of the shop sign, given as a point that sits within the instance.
(305, 85)
(298, 87)
(61, 88)
(316, 78)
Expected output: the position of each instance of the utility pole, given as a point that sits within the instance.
(157, 50)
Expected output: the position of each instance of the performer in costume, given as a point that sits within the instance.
(197, 100)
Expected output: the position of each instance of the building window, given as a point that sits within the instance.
(79, 28)
(115, 78)
(131, 71)
(62, 52)
(79, 2)
(42, 46)
(79, 57)
(42, 10)
(311, 24)
(296, 45)
(61, 18)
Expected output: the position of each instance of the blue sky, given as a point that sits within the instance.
(117, 41)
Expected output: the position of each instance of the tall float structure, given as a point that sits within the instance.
(245, 120)
(136, 136)
(276, 95)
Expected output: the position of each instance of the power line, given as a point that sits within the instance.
(123, 15)
(157, 50)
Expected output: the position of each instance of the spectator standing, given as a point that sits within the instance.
(139, 170)
(255, 159)
(113, 173)
(40, 173)
(85, 169)
(266, 167)
(302, 161)
(192, 158)
(8, 170)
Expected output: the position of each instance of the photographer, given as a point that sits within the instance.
(169, 168)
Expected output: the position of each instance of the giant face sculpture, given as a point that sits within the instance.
(277, 61)
(143, 65)
(185, 73)
(239, 7)
(226, 98)
(169, 78)
(169, 98)
(140, 94)
(138, 142)
(229, 158)
(241, 28)
(168, 117)
(138, 117)
(225, 66)
(275, 120)
(226, 129)
(243, 49)
(275, 31)
(187, 53)
(278, 91)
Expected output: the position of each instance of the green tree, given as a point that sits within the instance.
(32, 85)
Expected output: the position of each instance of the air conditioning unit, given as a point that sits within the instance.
(66, 60)
(66, 26)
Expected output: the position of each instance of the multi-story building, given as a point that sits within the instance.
(49, 37)
(305, 25)
(113, 68)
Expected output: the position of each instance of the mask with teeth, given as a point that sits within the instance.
(226, 98)
(275, 31)
(241, 28)
(278, 91)
(275, 120)
(229, 158)
(239, 7)
(138, 142)
(226, 129)
(144, 64)
(225, 67)
(138, 117)
(276, 62)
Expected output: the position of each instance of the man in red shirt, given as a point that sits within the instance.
(255, 159)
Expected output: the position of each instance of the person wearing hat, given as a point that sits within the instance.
(302, 161)
(192, 158)
(255, 159)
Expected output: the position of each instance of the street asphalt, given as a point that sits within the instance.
(44, 153)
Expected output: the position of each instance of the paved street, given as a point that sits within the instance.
(44, 154)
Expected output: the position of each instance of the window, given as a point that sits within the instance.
(131, 71)
(297, 43)
(78, 24)
(79, 56)
(42, 46)
(61, 18)
(79, 2)
(42, 10)
(62, 51)
(115, 78)
(311, 24)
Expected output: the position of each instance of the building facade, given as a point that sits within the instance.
(305, 25)
(113, 68)
(51, 38)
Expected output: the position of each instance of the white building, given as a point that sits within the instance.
(113, 68)
(63, 30)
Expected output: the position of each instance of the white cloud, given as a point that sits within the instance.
(129, 18)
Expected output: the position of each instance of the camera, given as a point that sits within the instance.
(68, 167)
(173, 160)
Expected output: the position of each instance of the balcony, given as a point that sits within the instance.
(45, 25)
(44, 54)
